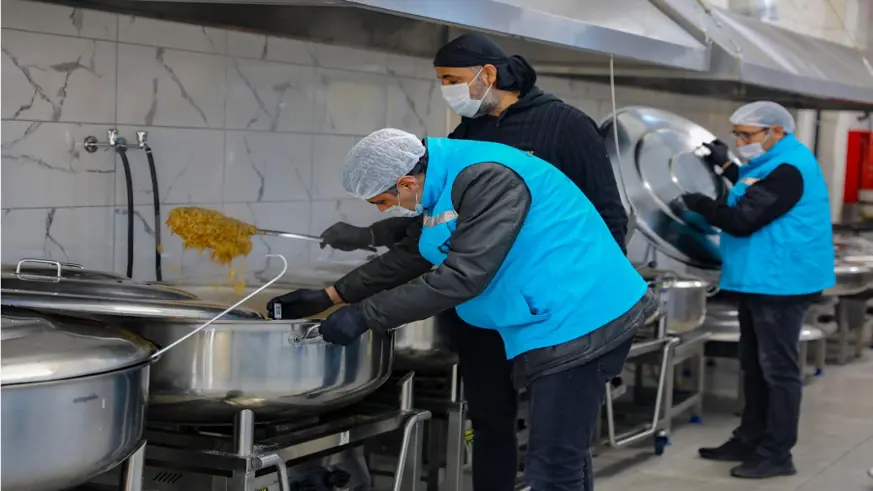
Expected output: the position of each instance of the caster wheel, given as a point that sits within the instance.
(661, 443)
(695, 420)
(710, 363)
(819, 372)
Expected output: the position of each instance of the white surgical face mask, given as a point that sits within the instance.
(752, 150)
(458, 98)
(401, 211)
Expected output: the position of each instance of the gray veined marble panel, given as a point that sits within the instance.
(166, 87)
(264, 167)
(269, 48)
(326, 213)
(57, 78)
(328, 157)
(161, 33)
(80, 235)
(416, 106)
(189, 164)
(59, 19)
(263, 95)
(350, 103)
(45, 165)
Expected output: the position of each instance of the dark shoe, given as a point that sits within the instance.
(732, 451)
(761, 468)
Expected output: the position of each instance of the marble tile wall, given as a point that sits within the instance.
(252, 125)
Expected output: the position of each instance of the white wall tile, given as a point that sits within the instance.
(165, 87)
(161, 33)
(44, 165)
(263, 95)
(350, 103)
(57, 78)
(79, 235)
(271, 48)
(189, 165)
(58, 19)
(416, 106)
(328, 155)
(264, 167)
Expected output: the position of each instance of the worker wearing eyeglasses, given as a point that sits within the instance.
(777, 256)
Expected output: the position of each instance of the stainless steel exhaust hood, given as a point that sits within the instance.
(578, 33)
(753, 60)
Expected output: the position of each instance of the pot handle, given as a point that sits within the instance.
(222, 314)
(712, 291)
(305, 336)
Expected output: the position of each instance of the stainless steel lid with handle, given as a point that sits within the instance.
(47, 267)
(656, 162)
(47, 276)
(109, 297)
(44, 348)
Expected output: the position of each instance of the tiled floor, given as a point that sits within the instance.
(834, 452)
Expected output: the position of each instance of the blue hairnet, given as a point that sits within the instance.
(375, 163)
(764, 114)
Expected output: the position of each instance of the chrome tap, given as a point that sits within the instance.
(142, 138)
(112, 137)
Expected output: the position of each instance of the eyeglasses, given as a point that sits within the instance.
(747, 136)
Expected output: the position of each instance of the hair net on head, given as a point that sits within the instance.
(375, 163)
(764, 114)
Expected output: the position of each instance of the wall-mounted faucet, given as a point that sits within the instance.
(142, 139)
(113, 140)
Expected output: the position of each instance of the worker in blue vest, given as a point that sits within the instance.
(513, 245)
(778, 256)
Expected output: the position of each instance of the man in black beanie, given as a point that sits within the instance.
(498, 101)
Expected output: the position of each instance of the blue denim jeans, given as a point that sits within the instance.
(564, 407)
(770, 360)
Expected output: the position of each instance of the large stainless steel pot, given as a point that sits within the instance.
(686, 298)
(243, 362)
(278, 369)
(419, 345)
(852, 279)
(74, 395)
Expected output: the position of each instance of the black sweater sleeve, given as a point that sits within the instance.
(763, 202)
(582, 157)
(492, 202)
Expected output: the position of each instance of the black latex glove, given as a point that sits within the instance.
(344, 326)
(298, 304)
(697, 202)
(347, 237)
(718, 153)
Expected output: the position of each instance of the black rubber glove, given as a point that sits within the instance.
(697, 202)
(347, 237)
(299, 304)
(344, 326)
(718, 153)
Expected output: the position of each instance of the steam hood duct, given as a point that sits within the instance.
(564, 32)
(754, 60)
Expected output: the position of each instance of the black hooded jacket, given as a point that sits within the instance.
(554, 131)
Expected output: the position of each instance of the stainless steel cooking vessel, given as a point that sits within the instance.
(686, 298)
(278, 369)
(424, 345)
(419, 345)
(243, 362)
(74, 395)
(852, 279)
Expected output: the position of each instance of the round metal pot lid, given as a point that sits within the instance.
(658, 163)
(45, 348)
(45, 276)
(51, 268)
(102, 307)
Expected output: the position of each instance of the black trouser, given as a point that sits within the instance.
(770, 359)
(492, 404)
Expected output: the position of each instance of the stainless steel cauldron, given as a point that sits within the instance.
(851, 279)
(419, 345)
(278, 369)
(74, 395)
(686, 298)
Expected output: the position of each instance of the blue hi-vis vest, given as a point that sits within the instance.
(794, 255)
(564, 276)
